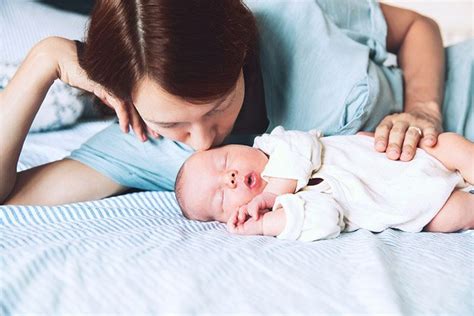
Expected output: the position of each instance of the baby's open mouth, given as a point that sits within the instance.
(251, 180)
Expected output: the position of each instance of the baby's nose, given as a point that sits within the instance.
(231, 178)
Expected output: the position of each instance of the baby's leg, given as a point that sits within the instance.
(455, 153)
(456, 214)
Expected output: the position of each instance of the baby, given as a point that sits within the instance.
(300, 186)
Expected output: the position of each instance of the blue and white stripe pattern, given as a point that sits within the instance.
(137, 254)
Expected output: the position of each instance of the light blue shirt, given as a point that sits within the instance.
(323, 68)
(322, 65)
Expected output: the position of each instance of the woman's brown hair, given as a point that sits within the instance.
(194, 49)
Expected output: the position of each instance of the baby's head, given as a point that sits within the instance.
(212, 184)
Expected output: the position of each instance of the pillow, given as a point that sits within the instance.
(62, 106)
(25, 23)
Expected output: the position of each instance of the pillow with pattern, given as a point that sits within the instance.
(62, 106)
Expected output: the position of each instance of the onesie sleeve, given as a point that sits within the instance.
(310, 216)
(293, 154)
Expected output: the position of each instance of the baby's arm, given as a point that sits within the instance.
(279, 186)
(294, 156)
(455, 153)
(273, 222)
(304, 216)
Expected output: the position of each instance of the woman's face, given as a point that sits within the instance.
(200, 126)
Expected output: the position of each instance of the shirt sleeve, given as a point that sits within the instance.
(362, 21)
(152, 165)
(310, 216)
(293, 154)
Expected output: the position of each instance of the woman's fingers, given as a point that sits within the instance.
(381, 134)
(152, 132)
(400, 134)
(137, 123)
(126, 113)
(72, 73)
(410, 143)
(395, 140)
(114, 103)
(120, 109)
(430, 136)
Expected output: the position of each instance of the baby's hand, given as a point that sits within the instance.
(258, 206)
(236, 218)
(249, 227)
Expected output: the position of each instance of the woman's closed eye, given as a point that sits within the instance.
(168, 125)
(221, 108)
(215, 112)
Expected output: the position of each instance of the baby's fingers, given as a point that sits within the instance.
(253, 210)
(232, 222)
(242, 214)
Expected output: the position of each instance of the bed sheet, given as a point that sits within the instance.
(136, 254)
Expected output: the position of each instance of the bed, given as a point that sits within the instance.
(136, 254)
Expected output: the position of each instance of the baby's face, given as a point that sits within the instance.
(216, 182)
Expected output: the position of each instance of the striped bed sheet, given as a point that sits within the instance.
(136, 254)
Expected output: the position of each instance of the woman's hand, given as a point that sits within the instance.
(417, 42)
(70, 72)
(400, 134)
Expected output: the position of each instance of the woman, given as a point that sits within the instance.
(189, 72)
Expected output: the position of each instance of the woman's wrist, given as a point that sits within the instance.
(25, 92)
(44, 57)
(430, 106)
(427, 110)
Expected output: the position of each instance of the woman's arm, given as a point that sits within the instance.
(60, 182)
(417, 42)
(19, 103)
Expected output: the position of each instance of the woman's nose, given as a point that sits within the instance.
(230, 179)
(201, 137)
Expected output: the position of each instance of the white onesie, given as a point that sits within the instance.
(361, 188)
